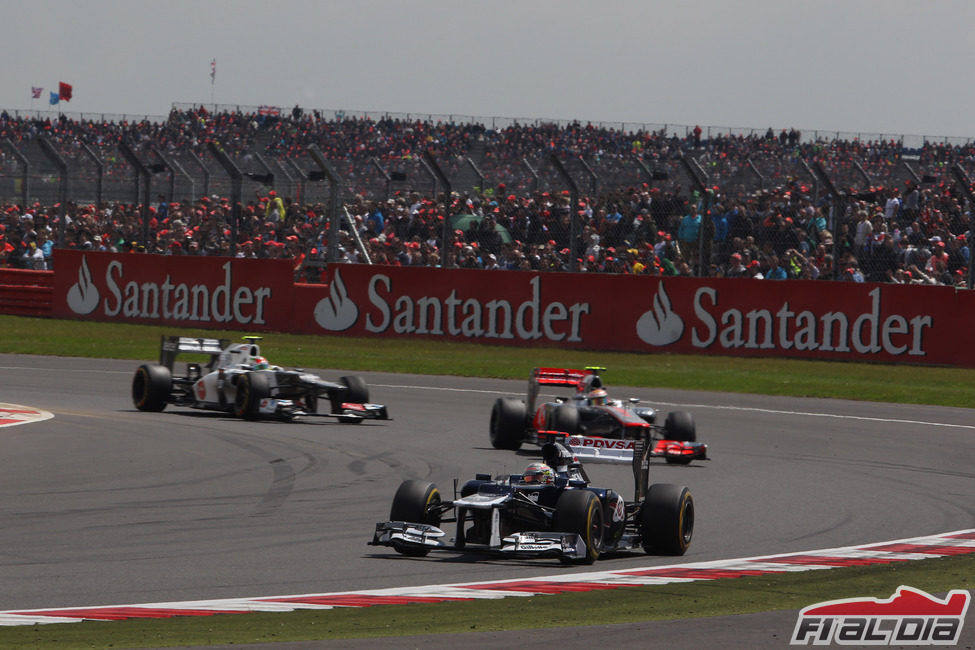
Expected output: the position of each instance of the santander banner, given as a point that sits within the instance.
(208, 292)
(822, 320)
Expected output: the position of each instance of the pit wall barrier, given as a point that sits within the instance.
(739, 317)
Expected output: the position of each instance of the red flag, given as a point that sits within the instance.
(64, 91)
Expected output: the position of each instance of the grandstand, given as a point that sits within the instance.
(571, 195)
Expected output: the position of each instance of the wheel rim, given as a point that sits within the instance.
(595, 532)
(687, 521)
(141, 388)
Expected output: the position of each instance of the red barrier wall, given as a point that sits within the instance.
(209, 292)
(815, 320)
(26, 293)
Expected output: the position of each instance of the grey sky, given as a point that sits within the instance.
(890, 66)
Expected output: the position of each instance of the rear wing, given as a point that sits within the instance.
(580, 380)
(558, 376)
(173, 345)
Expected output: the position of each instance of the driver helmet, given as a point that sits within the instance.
(259, 363)
(597, 397)
(538, 473)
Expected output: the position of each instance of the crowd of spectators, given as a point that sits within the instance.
(896, 231)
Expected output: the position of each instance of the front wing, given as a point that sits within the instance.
(525, 544)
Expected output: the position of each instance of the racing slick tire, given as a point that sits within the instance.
(565, 418)
(679, 425)
(151, 387)
(356, 392)
(579, 511)
(507, 423)
(252, 387)
(415, 502)
(667, 519)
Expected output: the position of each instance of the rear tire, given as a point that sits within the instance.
(667, 519)
(151, 387)
(565, 418)
(252, 387)
(580, 512)
(507, 423)
(415, 502)
(679, 425)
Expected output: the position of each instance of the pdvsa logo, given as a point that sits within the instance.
(909, 617)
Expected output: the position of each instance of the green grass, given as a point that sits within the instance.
(623, 605)
(888, 383)
(903, 383)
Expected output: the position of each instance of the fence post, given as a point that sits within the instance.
(25, 175)
(839, 211)
(62, 166)
(447, 232)
(332, 253)
(966, 187)
(99, 176)
(477, 171)
(699, 178)
(386, 177)
(206, 173)
(573, 219)
(593, 178)
(533, 172)
(236, 190)
(169, 168)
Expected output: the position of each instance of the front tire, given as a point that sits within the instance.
(680, 426)
(415, 502)
(579, 511)
(667, 519)
(151, 387)
(507, 423)
(252, 387)
(356, 392)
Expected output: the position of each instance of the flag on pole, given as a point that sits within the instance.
(35, 92)
(55, 98)
(64, 91)
(213, 70)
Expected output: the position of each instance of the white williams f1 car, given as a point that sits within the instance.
(239, 381)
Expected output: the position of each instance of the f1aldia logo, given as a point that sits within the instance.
(909, 617)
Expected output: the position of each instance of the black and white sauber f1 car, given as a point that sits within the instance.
(593, 426)
(524, 516)
(239, 381)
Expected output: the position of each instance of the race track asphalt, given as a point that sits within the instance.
(105, 505)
